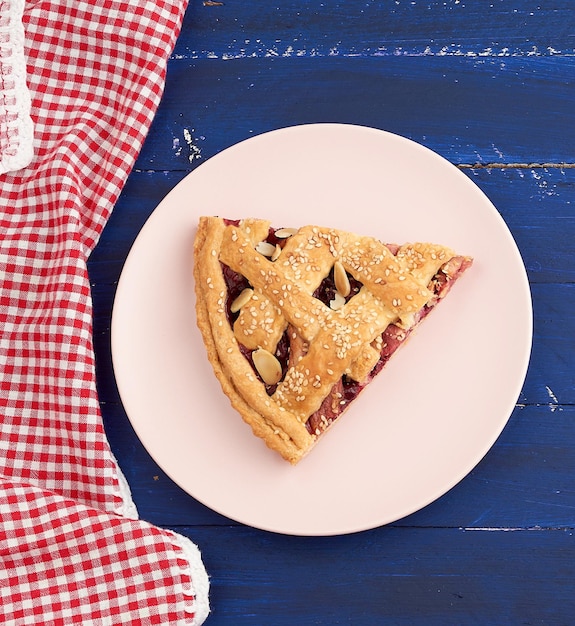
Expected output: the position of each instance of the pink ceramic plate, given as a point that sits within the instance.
(426, 420)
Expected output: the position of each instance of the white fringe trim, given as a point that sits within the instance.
(200, 605)
(16, 127)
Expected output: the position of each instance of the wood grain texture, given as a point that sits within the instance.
(469, 110)
(396, 576)
(354, 28)
(488, 85)
(535, 203)
(525, 481)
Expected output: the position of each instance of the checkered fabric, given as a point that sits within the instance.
(68, 533)
(65, 563)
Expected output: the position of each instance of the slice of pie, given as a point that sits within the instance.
(296, 322)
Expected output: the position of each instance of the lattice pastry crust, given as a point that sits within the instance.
(297, 322)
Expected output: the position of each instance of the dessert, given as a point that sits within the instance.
(297, 322)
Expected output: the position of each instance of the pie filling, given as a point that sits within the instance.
(346, 390)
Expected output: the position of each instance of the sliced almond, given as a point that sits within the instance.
(265, 248)
(337, 302)
(284, 233)
(268, 367)
(341, 280)
(244, 297)
(277, 252)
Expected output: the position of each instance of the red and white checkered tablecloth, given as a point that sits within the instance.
(71, 547)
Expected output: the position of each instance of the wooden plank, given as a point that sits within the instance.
(480, 83)
(348, 27)
(551, 373)
(399, 576)
(536, 204)
(470, 110)
(549, 379)
(525, 481)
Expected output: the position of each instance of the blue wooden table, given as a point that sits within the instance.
(490, 85)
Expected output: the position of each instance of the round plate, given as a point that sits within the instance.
(425, 421)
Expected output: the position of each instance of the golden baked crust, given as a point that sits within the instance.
(327, 343)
